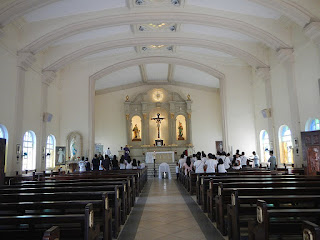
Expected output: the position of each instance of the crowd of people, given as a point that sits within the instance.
(220, 163)
(109, 162)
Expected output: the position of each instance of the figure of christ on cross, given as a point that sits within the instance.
(158, 121)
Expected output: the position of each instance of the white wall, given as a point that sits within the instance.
(206, 117)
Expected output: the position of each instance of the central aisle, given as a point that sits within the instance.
(165, 211)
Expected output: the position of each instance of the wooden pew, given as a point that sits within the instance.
(310, 230)
(113, 197)
(86, 222)
(52, 233)
(243, 208)
(224, 196)
(279, 222)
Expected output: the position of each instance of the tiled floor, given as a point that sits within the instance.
(165, 214)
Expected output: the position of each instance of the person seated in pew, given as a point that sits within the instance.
(220, 167)
(142, 165)
(115, 164)
(101, 168)
(236, 162)
(106, 163)
(244, 160)
(95, 163)
(122, 163)
(134, 164)
(129, 164)
(211, 164)
(182, 160)
(82, 165)
(226, 160)
(187, 166)
(272, 160)
(199, 165)
(88, 165)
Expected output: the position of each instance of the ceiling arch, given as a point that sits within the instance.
(267, 37)
(127, 42)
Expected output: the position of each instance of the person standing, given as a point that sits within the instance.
(95, 163)
(243, 160)
(199, 165)
(109, 153)
(82, 165)
(88, 167)
(255, 159)
(182, 160)
(272, 160)
(177, 170)
(126, 152)
(211, 164)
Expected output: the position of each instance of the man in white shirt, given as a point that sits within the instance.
(109, 153)
(182, 160)
(243, 160)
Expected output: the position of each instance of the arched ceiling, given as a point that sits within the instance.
(228, 31)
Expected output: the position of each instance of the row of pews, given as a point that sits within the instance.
(88, 206)
(259, 204)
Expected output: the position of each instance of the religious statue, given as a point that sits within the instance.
(158, 121)
(136, 133)
(180, 128)
(73, 148)
(61, 155)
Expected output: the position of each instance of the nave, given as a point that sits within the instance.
(165, 210)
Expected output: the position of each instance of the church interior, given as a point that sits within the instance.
(156, 90)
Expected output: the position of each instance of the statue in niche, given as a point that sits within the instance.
(73, 148)
(136, 133)
(180, 128)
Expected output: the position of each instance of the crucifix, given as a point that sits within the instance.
(158, 121)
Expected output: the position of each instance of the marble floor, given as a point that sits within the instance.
(166, 211)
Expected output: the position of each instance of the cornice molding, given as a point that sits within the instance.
(312, 30)
(48, 77)
(178, 17)
(292, 10)
(25, 60)
(140, 40)
(20, 7)
(285, 54)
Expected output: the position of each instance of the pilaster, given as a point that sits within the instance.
(264, 74)
(25, 60)
(223, 100)
(286, 58)
(91, 115)
(47, 78)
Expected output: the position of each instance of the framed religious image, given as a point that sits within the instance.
(18, 149)
(60, 155)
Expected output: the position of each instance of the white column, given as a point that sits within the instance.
(47, 78)
(223, 100)
(91, 132)
(286, 57)
(25, 60)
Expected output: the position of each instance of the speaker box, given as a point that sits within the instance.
(47, 117)
(266, 113)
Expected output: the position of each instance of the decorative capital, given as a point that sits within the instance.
(48, 77)
(285, 54)
(127, 98)
(188, 97)
(127, 116)
(144, 116)
(172, 115)
(25, 60)
(189, 115)
(312, 30)
(263, 73)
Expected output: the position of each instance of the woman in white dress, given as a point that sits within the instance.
(199, 165)
(221, 168)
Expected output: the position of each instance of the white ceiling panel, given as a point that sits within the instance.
(111, 52)
(194, 76)
(238, 6)
(93, 34)
(121, 77)
(218, 32)
(157, 72)
(71, 7)
(204, 51)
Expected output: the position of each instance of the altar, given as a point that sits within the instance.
(167, 157)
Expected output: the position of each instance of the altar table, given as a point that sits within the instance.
(160, 157)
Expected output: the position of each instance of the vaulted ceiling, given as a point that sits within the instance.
(231, 32)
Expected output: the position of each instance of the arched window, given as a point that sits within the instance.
(3, 132)
(312, 125)
(286, 148)
(29, 151)
(265, 145)
(50, 152)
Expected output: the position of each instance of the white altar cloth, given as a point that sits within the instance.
(164, 167)
(158, 156)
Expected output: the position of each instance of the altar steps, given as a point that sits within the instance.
(150, 169)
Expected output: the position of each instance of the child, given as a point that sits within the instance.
(177, 170)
